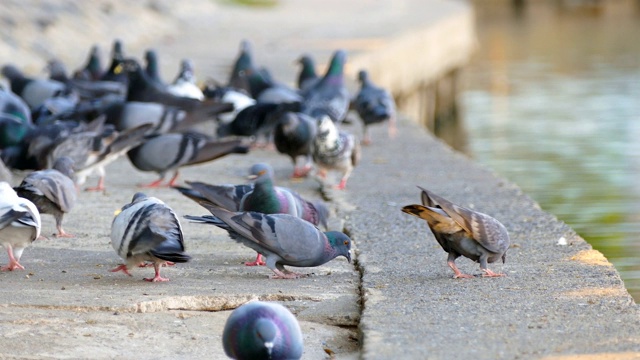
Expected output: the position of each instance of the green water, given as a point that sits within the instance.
(552, 102)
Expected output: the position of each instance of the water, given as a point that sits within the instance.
(552, 102)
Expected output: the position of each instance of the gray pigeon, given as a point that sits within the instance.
(461, 231)
(262, 331)
(169, 152)
(374, 105)
(329, 96)
(335, 150)
(33, 91)
(52, 191)
(307, 76)
(19, 225)
(293, 135)
(264, 197)
(282, 239)
(93, 150)
(147, 230)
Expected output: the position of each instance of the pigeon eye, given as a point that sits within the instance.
(346, 242)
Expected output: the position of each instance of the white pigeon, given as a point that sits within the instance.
(19, 225)
(147, 230)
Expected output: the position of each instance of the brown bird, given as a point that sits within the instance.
(461, 231)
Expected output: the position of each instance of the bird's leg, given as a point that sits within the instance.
(392, 130)
(156, 278)
(457, 273)
(284, 275)
(62, 233)
(172, 182)
(489, 273)
(123, 268)
(13, 263)
(153, 184)
(258, 262)
(99, 187)
(300, 172)
(343, 182)
(366, 137)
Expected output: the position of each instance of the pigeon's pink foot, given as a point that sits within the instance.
(153, 184)
(301, 172)
(169, 263)
(64, 234)
(258, 262)
(99, 187)
(457, 274)
(489, 273)
(123, 268)
(342, 185)
(156, 278)
(282, 275)
(13, 264)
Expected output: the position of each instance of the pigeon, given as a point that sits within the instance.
(270, 199)
(114, 72)
(293, 135)
(461, 231)
(126, 115)
(226, 196)
(267, 91)
(33, 91)
(147, 230)
(164, 153)
(374, 105)
(92, 71)
(307, 76)
(238, 98)
(335, 150)
(93, 150)
(242, 64)
(52, 191)
(261, 330)
(282, 239)
(185, 83)
(329, 95)
(256, 120)
(142, 88)
(12, 104)
(152, 68)
(19, 225)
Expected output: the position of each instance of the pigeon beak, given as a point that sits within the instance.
(117, 212)
(252, 177)
(348, 256)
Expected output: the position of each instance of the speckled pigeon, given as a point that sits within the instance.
(19, 225)
(262, 331)
(374, 105)
(283, 239)
(329, 96)
(461, 231)
(147, 230)
(52, 191)
(293, 135)
(165, 153)
(335, 150)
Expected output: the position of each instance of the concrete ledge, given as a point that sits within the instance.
(556, 300)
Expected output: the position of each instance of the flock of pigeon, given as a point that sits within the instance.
(66, 127)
